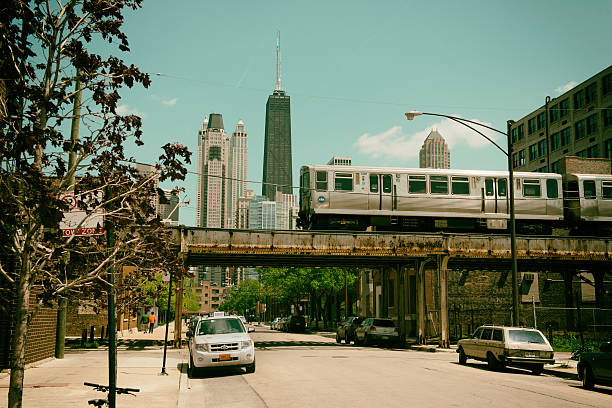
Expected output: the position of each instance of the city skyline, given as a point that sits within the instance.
(350, 83)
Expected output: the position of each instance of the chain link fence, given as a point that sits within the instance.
(589, 322)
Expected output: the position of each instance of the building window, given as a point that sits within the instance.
(542, 148)
(564, 108)
(590, 93)
(580, 130)
(607, 116)
(554, 113)
(531, 125)
(593, 151)
(514, 135)
(515, 160)
(606, 84)
(579, 99)
(555, 167)
(533, 152)
(521, 131)
(565, 136)
(608, 148)
(591, 124)
(554, 141)
(522, 157)
(582, 153)
(541, 120)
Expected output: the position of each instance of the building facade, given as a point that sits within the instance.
(168, 207)
(243, 204)
(435, 153)
(210, 296)
(238, 162)
(340, 161)
(277, 166)
(576, 123)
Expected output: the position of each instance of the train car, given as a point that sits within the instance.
(588, 203)
(360, 198)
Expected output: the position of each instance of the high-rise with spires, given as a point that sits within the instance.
(435, 153)
(277, 167)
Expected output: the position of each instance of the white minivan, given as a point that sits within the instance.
(221, 341)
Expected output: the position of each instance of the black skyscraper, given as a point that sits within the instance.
(277, 171)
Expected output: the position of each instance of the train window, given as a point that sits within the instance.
(589, 189)
(417, 185)
(321, 181)
(343, 182)
(386, 183)
(531, 188)
(460, 185)
(606, 190)
(502, 187)
(489, 186)
(373, 183)
(552, 189)
(438, 184)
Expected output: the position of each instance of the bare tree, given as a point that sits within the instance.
(48, 66)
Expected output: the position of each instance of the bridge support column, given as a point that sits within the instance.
(420, 295)
(568, 277)
(401, 304)
(384, 281)
(600, 290)
(443, 274)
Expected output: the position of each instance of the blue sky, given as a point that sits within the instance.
(352, 68)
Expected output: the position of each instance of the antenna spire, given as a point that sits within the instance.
(278, 74)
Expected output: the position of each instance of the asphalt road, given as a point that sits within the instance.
(296, 370)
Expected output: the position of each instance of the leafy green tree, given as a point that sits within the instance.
(243, 297)
(49, 67)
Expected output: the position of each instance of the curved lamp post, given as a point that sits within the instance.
(468, 123)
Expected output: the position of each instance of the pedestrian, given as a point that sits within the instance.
(144, 323)
(152, 320)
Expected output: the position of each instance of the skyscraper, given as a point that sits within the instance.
(434, 154)
(238, 160)
(212, 195)
(277, 168)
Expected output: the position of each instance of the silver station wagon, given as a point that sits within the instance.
(502, 346)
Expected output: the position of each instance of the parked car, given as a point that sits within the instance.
(274, 323)
(376, 330)
(596, 367)
(282, 323)
(502, 346)
(221, 341)
(296, 324)
(346, 329)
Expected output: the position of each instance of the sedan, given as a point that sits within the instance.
(596, 367)
(346, 329)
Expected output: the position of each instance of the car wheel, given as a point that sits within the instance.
(537, 369)
(491, 362)
(588, 381)
(347, 338)
(462, 357)
(250, 369)
(338, 340)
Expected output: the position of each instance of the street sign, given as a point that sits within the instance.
(79, 206)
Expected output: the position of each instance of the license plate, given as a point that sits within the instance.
(529, 355)
(225, 357)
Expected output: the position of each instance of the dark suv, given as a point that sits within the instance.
(296, 324)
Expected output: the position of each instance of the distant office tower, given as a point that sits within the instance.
(242, 218)
(168, 208)
(262, 213)
(340, 161)
(149, 171)
(434, 154)
(277, 168)
(286, 211)
(238, 160)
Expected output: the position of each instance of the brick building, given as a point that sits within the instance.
(210, 297)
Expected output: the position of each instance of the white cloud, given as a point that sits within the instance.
(128, 110)
(566, 87)
(397, 144)
(170, 102)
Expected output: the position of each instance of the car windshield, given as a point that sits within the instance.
(383, 323)
(525, 336)
(220, 326)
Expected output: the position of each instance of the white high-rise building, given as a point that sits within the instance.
(238, 161)
(213, 159)
(242, 219)
(286, 211)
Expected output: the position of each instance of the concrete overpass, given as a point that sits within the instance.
(400, 254)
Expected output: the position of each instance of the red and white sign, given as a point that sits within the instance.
(93, 223)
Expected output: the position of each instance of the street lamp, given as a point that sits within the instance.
(410, 115)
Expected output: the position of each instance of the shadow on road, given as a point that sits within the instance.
(293, 343)
(598, 388)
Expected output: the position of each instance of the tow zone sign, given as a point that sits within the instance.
(94, 225)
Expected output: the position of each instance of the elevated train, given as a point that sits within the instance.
(397, 199)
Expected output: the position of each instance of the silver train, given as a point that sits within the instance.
(396, 199)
